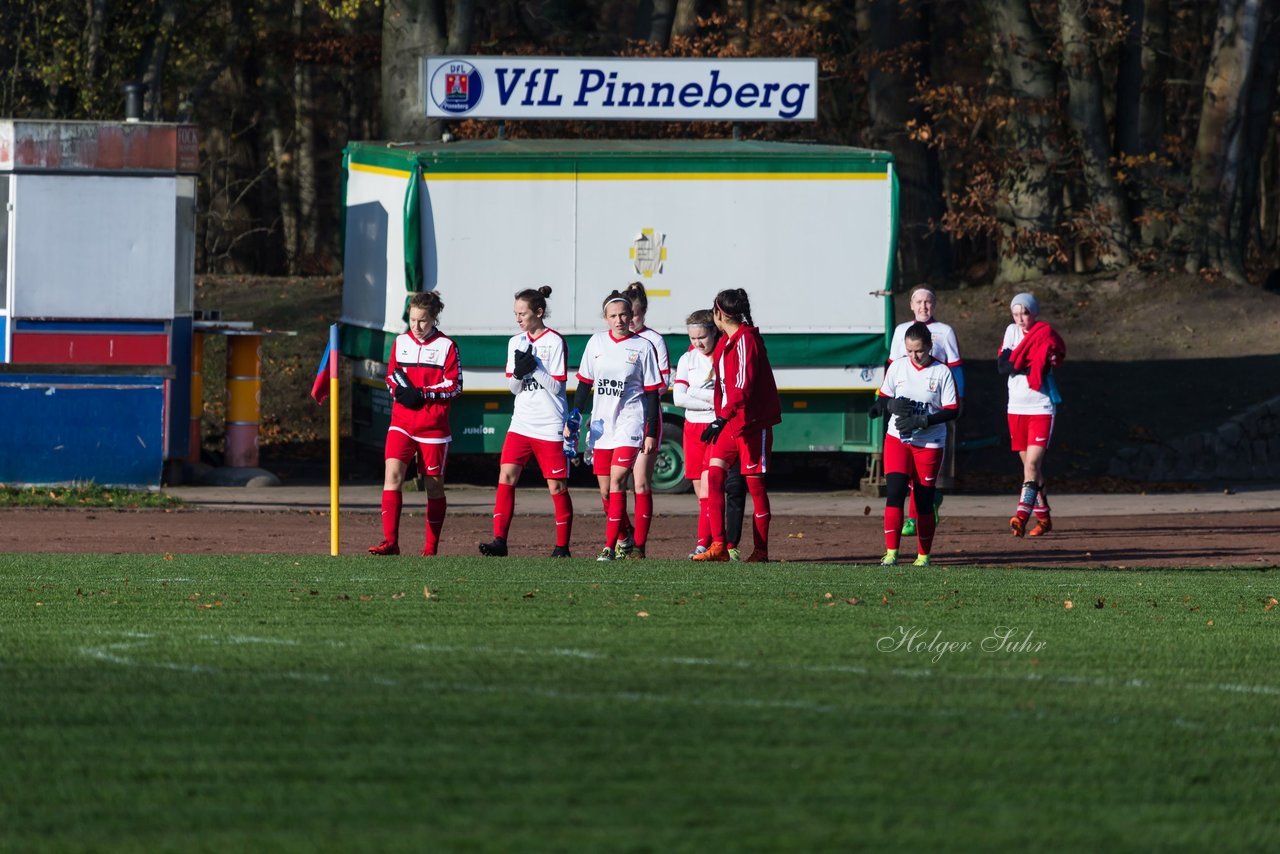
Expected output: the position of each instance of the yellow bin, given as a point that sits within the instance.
(244, 398)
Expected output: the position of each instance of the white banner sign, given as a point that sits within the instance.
(527, 87)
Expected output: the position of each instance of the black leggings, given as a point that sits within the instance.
(898, 487)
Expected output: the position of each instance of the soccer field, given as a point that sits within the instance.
(307, 703)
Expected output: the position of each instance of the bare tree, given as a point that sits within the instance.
(1084, 110)
(1212, 230)
(411, 30)
(1031, 196)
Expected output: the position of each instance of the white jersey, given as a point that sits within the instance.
(946, 348)
(540, 407)
(664, 358)
(694, 387)
(933, 389)
(620, 371)
(1023, 399)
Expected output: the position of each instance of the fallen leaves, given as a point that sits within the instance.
(1271, 604)
(1068, 604)
(428, 595)
(642, 614)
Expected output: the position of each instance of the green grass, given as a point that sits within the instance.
(306, 703)
(84, 495)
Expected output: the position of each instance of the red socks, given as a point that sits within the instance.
(704, 522)
(391, 503)
(644, 516)
(564, 517)
(893, 527)
(503, 506)
(715, 502)
(435, 521)
(760, 513)
(617, 506)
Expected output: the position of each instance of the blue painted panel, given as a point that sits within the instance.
(142, 327)
(61, 428)
(4, 338)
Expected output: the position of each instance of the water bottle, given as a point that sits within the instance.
(574, 423)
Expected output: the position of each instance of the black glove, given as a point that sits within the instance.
(908, 424)
(713, 430)
(877, 407)
(525, 363)
(1005, 366)
(900, 406)
(405, 392)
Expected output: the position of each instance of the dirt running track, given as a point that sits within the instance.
(1188, 539)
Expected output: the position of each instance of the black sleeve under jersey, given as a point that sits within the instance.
(652, 414)
(582, 397)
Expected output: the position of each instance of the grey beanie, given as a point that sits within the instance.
(1027, 301)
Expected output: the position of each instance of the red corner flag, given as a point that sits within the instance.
(328, 365)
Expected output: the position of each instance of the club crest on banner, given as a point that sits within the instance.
(456, 87)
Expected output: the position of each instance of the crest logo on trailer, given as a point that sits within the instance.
(456, 87)
(648, 252)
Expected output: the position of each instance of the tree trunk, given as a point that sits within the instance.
(685, 24)
(412, 30)
(1029, 213)
(93, 48)
(157, 58)
(1129, 80)
(304, 133)
(1084, 109)
(898, 26)
(661, 21)
(1210, 229)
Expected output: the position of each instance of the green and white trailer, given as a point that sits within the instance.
(808, 230)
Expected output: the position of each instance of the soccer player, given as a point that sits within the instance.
(642, 474)
(537, 361)
(946, 349)
(1030, 351)
(920, 393)
(694, 389)
(424, 376)
(747, 407)
(619, 381)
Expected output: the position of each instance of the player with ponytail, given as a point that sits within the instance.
(537, 360)
(424, 375)
(746, 407)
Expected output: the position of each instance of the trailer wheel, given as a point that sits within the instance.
(668, 471)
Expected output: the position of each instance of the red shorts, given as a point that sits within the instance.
(695, 450)
(517, 449)
(604, 460)
(401, 446)
(1027, 430)
(752, 447)
(920, 465)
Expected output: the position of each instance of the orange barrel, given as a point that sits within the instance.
(244, 398)
(196, 436)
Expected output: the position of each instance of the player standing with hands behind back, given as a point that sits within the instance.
(1030, 351)
(536, 372)
(424, 376)
(747, 407)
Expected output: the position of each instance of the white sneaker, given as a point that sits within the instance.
(699, 550)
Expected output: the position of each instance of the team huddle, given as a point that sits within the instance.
(726, 386)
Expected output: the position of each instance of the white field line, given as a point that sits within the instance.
(111, 653)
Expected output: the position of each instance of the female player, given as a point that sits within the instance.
(537, 360)
(946, 349)
(622, 370)
(1030, 351)
(642, 475)
(920, 392)
(747, 407)
(424, 375)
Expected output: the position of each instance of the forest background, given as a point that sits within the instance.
(1032, 137)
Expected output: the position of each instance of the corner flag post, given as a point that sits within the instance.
(333, 440)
